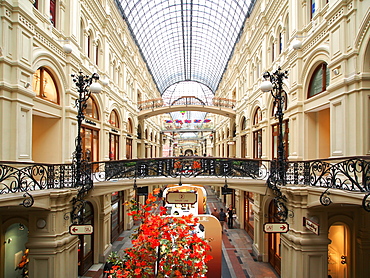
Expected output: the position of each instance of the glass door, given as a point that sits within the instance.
(274, 241)
(338, 251)
(85, 245)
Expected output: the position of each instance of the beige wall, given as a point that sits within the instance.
(46, 136)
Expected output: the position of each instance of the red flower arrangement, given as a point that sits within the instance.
(163, 246)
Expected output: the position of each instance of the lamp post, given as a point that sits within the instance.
(274, 83)
(85, 86)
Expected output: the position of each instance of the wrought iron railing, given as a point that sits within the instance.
(349, 173)
(180, 166)
(186, 100)
(18, 177)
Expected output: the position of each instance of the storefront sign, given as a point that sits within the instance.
(279, 227)
(80, 229)
(310, 225)
(181, 198)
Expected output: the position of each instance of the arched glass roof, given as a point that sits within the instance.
(186, 40)
(187, 88)
(182, 89)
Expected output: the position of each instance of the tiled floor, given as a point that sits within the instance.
(236, 249)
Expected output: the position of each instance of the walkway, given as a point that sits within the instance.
(237, 258)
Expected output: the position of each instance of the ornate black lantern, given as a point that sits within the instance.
(274, 83)
(83, 182)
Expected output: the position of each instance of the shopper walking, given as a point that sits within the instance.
(223, 218)
(230, 214)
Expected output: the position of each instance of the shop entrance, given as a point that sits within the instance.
(338, 251)
(85, 245)
(16, 237)
(274, 240)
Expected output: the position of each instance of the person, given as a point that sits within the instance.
(215, 213)
(230, 213)
(222, 218)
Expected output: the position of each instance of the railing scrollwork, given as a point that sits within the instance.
(351, 174)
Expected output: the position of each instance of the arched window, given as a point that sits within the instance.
(286, 35)
(82, 31)
(280, 42)
(272, 50)
(257, 135)
(53, 12)
(253, 73)
(92, 109)
(44, 85)
(113, 119)
(130, 129)
(243, 123)
(319, 80)
(243, 145)
(114, 72)
(313, 8)
(89, 46)
(113, 136)
(97, 54)
(139, 131)
(257, 116)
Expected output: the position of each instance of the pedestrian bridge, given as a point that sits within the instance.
(351, 174)
(153, 107)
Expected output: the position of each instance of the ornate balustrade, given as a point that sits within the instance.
(180, 166)
(350, 173)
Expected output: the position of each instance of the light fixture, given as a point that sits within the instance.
(266, 86)
(95, 88)
(67, 48)
(296, 44)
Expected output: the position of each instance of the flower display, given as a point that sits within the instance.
(162, 246)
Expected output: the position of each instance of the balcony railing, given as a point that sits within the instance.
(23, 177)
(180, 166)
(349, 174)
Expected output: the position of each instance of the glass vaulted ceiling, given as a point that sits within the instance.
(186, 40)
